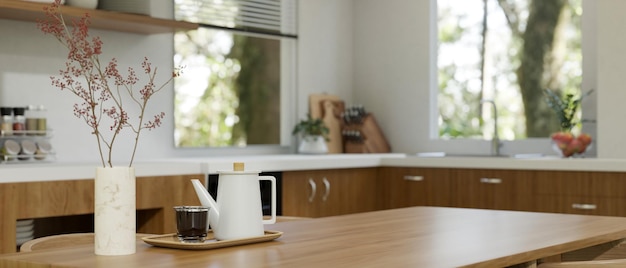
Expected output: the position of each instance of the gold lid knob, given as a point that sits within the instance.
(238, 166)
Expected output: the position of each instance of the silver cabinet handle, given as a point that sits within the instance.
(327, 185)
(584, 206)
(413, 178)
(491, 180)
(313, 190)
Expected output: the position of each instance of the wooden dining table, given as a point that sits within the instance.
(406, 237)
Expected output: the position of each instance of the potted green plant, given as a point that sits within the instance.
(313, 133)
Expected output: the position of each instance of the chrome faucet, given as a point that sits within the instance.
(495, 140)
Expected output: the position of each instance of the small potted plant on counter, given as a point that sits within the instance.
(313, 135)
(566, 108)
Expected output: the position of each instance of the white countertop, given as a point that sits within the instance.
(294, 162)
(79, 171)
(542, 163)
(183, 166)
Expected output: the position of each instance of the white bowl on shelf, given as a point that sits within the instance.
(20, 223)
(26, 234)
(26, 228)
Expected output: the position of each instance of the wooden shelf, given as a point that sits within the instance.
(100, 19)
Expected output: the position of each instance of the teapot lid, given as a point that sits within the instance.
(239, 168)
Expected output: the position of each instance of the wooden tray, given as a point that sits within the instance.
(171, 241)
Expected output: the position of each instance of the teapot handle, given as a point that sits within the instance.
(272, 220)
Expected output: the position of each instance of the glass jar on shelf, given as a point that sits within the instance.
(19, 120)
(6, 125)
(36, 120)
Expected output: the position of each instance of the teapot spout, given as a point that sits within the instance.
(206, 199)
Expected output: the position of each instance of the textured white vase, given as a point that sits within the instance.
(313, 145)
(114, 211)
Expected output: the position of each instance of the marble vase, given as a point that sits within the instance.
(114, 211)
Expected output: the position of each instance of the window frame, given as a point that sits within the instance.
(543, 146)
(288, 81)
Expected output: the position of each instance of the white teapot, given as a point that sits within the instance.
(237, 213)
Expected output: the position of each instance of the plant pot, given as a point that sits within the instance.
(115, 211)
(313, 145)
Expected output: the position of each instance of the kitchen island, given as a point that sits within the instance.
(407, 237)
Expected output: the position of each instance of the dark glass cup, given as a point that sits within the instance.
(192, 223)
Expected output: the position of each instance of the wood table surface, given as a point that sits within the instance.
(407, 237)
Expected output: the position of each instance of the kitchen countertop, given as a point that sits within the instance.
(288, 162)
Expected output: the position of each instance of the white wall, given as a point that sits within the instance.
(611, 70)
(28, 58)
(325, 47)
(392, 68)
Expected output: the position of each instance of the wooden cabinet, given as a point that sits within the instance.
(156, 195)
(100, 19)
(319, 193)
(405, 187)
(580, 192)
(468, 188)
(493, 189)
(574, 192)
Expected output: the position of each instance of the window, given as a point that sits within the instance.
(239, 73)
(507, 51)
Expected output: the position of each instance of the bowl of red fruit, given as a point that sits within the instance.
(568, 145)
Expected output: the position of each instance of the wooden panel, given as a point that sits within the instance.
(55, 198)
(363, 188)
(100, 19)
(337, 192)
(585, 205)
(494, 189)
(404, 187)
(298, 195)
(600, 184)
(351, 191)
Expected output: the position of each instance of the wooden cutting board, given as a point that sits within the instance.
(329, 108)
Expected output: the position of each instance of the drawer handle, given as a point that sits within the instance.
(413, 178)
(584, 206)
(491, 180)
(327, 187)
(313, 190)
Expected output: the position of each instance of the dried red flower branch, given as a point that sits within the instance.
(103, 88)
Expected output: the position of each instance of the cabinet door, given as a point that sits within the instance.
(493, 189)
(323, 193)
(346, 191)
(585, 205)
(404, 187)
(579, 192)
(300, 194)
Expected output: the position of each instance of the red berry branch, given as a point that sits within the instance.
(102, 89)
